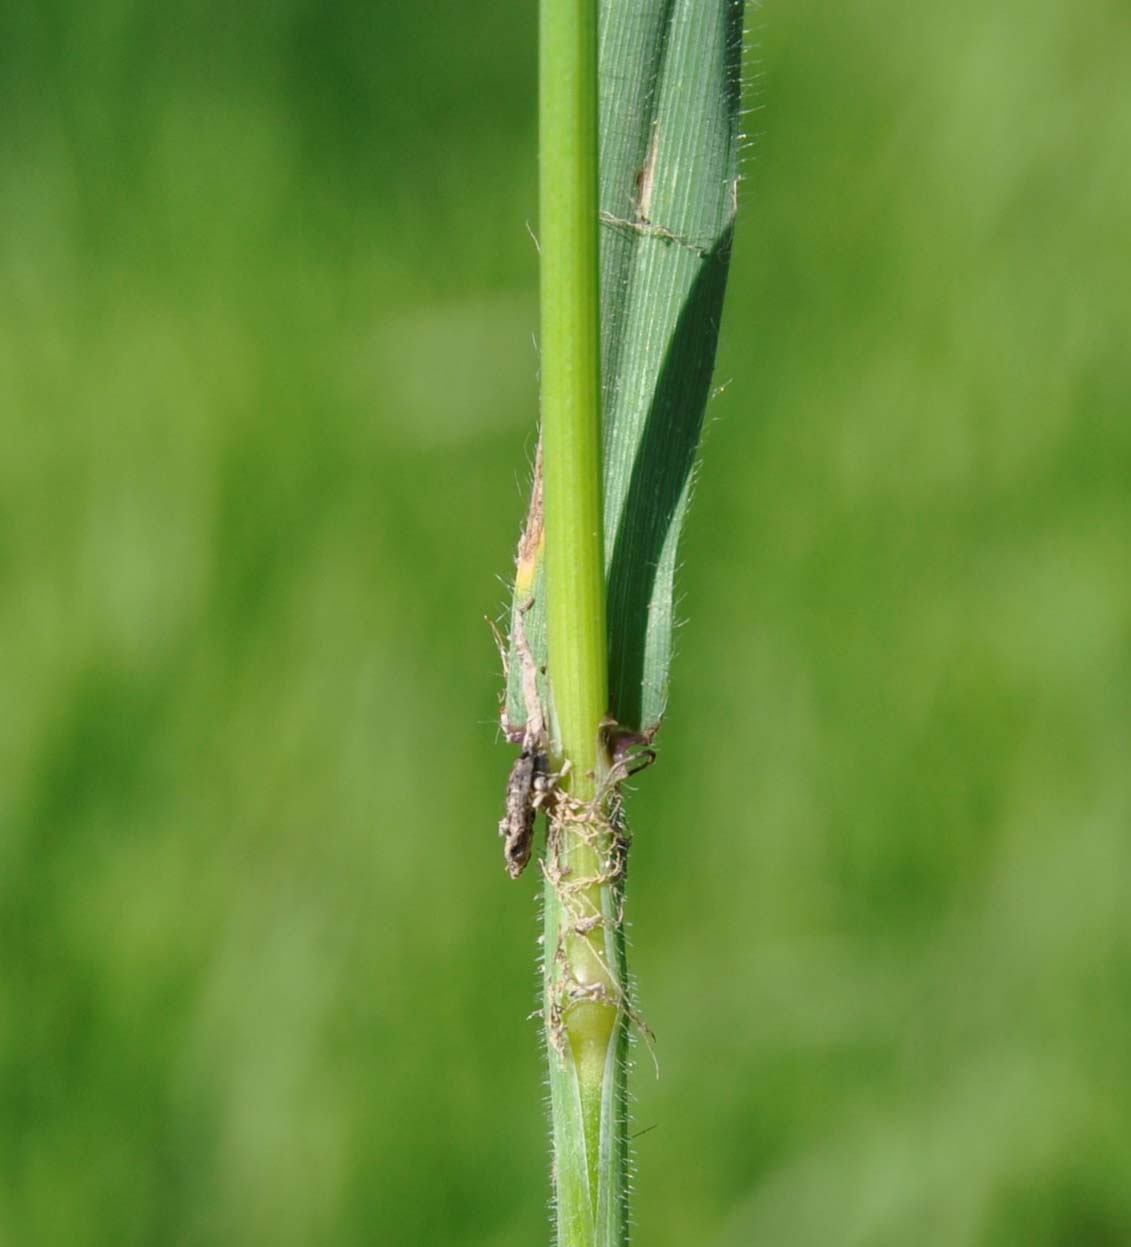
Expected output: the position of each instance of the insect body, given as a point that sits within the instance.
(531, 782)
(528, 783)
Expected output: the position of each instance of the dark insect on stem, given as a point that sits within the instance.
(528, 781)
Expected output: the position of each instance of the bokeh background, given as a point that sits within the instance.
(267, 391)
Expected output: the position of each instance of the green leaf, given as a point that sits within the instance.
(669, 124)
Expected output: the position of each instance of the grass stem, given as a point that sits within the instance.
(584, 972)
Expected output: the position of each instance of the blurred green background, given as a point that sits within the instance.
(267, 391)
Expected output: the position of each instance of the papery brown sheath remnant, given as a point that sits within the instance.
(530, 783)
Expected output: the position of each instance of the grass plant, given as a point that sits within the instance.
(638, 190)
(265, 384)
